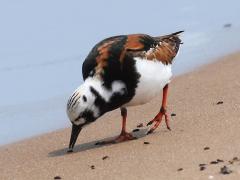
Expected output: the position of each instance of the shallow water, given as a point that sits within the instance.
(43, 45)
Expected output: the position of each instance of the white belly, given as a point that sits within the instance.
(154, 76)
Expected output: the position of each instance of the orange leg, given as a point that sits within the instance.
(158, 118)
(124, 136)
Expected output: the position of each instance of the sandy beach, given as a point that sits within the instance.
(205, 130)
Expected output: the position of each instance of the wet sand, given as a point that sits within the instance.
(206, 128)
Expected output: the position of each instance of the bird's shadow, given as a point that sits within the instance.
(92, 145)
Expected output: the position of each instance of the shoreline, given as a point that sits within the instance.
(200, 122)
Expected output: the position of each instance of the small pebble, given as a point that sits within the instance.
(214, 162)
(219, 102)
(206, 148)
(180, 169)
(202, 168)
(173, 114)
(105, 157)
(235, 159)
(140, 125)
(230, 162)
(57, 177)
(135, 130)
(92, 167)
(146, 142)
(202, 165)
(225, 170)
(220, 160)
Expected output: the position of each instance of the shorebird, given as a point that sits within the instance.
(119, 72)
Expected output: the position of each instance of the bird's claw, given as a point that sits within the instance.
(169, 128)
(158, 119)
(124, 136)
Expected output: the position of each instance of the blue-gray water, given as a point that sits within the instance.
(43, 44)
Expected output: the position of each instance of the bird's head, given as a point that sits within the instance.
(90, 101)
(81, 110)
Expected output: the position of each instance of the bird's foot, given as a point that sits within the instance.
(157, 120)
(124, 136)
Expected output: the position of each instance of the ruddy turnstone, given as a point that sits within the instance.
(122, 71)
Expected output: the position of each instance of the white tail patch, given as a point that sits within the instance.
(154, 76)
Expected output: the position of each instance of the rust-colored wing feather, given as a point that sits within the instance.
(163, 48)
(103, 54)
(111, 51)
(99, 57)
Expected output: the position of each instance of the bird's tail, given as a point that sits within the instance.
(171, 40)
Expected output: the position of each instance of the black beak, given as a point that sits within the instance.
(74, 135)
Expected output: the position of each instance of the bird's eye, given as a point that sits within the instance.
(84, 98)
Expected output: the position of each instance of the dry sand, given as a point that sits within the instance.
(199, 122)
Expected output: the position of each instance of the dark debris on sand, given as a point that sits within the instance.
(225, 170)
(219, 102)
(57, 177)
(214, 162)
(235, 159)
(206, 148)
(146, 142)
(180, 169)
(231, 162)
(202, 168)
(173, 114)
(92, 167)
(105, 157)
(220, 160)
